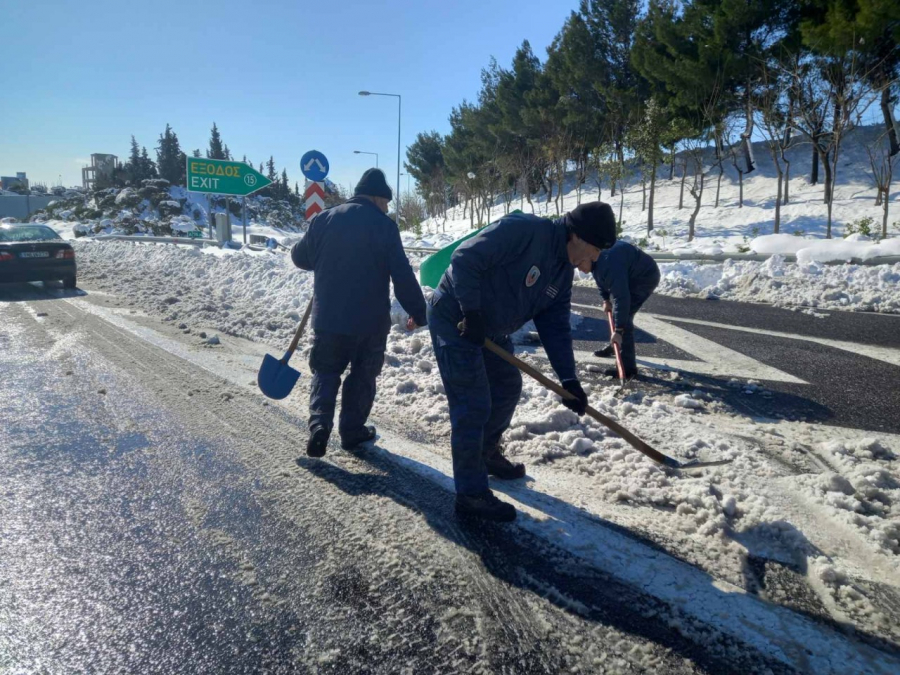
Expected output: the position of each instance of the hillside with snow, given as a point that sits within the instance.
(730, 226)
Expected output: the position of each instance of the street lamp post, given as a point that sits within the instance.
(363, 152)
(399, 113)
(407, 181)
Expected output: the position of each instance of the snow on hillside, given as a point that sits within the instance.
(729, 226)
(840, 528)
(733, 229)
(157, 208)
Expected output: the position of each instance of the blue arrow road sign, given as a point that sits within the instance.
(314, 165)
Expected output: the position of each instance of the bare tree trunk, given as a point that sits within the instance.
(683, 175)
(826, 164)
(652, 194)
(672, 164)
(561, 168)
(643, 190)
(787, 178)
(719, 183)
(887, 198)
(741, 188)
(887, 112)
(814, 175)
(698, 199)
(621, 200)
(778, 201)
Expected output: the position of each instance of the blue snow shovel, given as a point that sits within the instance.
(276, 378)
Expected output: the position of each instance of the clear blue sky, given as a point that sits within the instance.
(277, 77)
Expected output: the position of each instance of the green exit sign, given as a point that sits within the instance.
(223, 177)
(195, 234)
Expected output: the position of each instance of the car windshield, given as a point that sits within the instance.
(27, 233)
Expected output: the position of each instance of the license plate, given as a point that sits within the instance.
(35, 254)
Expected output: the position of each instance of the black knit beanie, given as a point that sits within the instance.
(373, 184)
(595, 223)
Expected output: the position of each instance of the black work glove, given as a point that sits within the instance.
(579, 403)
(472, 327)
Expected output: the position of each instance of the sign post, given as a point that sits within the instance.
(224, 177)
(314, 166)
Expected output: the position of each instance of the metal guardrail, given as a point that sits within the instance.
(156, 240)
(661, 257)
(760, 257)
(722, 257)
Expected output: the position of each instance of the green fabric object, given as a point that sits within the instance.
(434, 266)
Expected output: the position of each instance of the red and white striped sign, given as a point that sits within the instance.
(315, 198)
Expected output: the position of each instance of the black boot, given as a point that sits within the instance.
(366, 434)
(485, 506)
(607, 352)
(318, 441)
(500, 467)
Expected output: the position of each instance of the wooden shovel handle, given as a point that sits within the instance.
(629, 437)
(612, 331)
(299, 332)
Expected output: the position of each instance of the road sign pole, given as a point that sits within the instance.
(244, 217)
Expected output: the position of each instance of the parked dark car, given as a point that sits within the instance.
(31, 252)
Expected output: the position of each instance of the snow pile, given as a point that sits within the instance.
(865, 493)
(780, 244)
(811, 284)
(252, 295)
(853, 247)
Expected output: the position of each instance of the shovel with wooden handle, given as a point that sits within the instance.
(276, 378)
(626, 435)
(616, 348)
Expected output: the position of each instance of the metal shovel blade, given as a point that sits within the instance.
(276, 378)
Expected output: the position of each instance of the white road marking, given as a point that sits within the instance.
(714, 359)
(886, 354)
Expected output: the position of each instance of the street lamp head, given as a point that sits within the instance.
(356, 152)
(365, 93)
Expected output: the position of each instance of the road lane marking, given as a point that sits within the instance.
(886, 354)
(713, 359)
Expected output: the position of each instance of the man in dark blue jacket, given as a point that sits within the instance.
(626, 277)
(355, 251)
(517, 269)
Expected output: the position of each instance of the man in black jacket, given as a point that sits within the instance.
(355, 251)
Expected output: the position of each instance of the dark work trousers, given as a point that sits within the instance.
(639, 294)
(331, 354)
(482, 392)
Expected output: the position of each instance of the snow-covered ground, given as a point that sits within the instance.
(729, 226)
(824, 503)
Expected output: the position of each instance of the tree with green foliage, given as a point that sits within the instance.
(216, 149)
(170, 160)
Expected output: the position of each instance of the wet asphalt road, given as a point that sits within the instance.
(154, 520)
(841, 387)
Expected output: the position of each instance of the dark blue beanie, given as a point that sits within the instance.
(373, 184)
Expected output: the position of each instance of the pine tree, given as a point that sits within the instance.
(148, 166)
(197, 152)
(133, 166)
(285, 189)
(216, 151)
(169, 158)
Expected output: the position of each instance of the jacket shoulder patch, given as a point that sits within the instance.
(533, 275)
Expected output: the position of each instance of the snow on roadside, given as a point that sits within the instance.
(714, 520)
(806, 284)
(871, 288)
